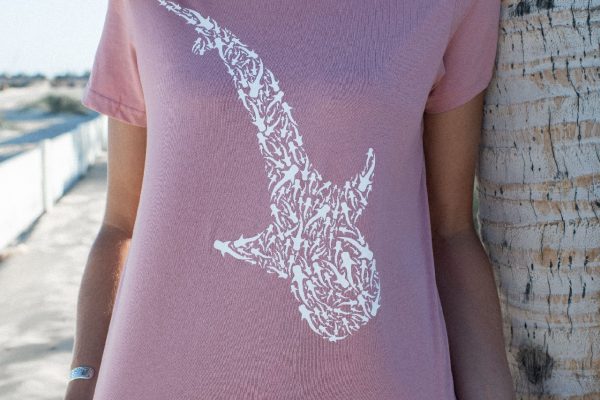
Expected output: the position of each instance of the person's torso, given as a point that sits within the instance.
(282, 246)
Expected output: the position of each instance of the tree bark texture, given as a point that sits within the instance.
(538, 189)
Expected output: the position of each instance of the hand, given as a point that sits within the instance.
(80, 389)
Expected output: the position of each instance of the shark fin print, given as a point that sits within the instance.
(312, 241)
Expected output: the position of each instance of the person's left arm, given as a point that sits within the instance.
(464, 275)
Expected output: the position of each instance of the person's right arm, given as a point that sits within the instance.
(126, 155)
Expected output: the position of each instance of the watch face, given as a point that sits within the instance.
(81, 373)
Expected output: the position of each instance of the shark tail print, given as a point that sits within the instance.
(313, 240)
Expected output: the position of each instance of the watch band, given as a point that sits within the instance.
(81, 372)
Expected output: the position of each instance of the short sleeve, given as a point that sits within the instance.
(469, 59)
(114, 86)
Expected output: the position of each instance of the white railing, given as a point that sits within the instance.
(33, 180)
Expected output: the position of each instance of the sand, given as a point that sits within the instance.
(39, 284)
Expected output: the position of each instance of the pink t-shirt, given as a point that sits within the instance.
(282, 246)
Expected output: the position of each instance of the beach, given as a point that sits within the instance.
(39, 283)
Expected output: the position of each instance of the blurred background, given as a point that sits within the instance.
(52, 186)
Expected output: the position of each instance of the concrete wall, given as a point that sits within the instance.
(32, 181)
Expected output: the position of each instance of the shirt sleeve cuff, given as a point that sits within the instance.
(113, 108)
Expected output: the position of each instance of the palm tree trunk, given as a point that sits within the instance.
(538, 191)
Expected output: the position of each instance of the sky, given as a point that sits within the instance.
(49, 36)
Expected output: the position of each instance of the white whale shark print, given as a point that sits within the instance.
(313, 240)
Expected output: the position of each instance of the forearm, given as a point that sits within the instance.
(471, 308)
(95, 303)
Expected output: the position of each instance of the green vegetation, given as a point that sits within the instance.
(54, 104)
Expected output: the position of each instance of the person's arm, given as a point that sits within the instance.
(126, 155)
(463, 272)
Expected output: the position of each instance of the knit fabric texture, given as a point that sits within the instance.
(282, 247)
